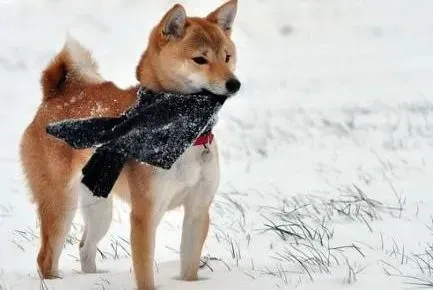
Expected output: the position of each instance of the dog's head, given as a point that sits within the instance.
(192, 54)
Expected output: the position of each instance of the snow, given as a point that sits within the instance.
(336, 102)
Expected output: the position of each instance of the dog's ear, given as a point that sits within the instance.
(173, 22)
(224, 15)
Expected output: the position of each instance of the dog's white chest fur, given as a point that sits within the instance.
(191, 181)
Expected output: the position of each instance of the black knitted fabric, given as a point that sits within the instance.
(156, 130)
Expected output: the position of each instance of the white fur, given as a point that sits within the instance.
(192, 182)
(195, 81)
(191, 81)
(189, 174)
(219, 89)
(196, 205)
(81, 61)
(97, 214)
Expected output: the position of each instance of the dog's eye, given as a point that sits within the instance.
(228, 56)
(200, 60)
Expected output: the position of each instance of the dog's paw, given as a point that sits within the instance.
(51, 275)
(88, 264)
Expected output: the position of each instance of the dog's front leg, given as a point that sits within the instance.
(194, 233)
(143, 246)
(143, 225)
(196, 220)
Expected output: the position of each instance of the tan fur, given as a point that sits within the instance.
(73, 88)
(201, 37)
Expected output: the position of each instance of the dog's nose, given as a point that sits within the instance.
(233, 85)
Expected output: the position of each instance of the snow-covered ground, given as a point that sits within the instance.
(327, 152)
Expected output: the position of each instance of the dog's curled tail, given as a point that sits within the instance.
(71, 66)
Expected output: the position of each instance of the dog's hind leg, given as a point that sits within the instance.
(97, 213)
(56, 214)
(48, 179)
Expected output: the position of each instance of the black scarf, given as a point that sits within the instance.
(157, 131)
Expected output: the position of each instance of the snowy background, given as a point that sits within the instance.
(327, 151)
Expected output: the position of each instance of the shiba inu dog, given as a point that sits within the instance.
(185, 55)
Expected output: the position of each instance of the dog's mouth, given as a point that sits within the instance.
(207, 92)
(221, 98)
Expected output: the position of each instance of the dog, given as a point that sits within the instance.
(185, 55)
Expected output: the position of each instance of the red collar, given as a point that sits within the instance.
(204, 139)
